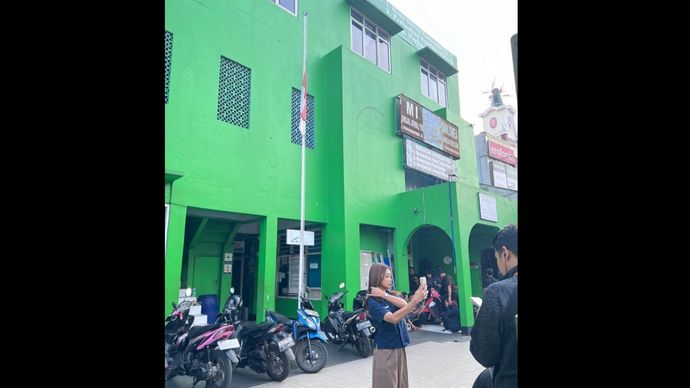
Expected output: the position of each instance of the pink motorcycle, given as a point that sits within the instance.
(202, 352)
(431, 310)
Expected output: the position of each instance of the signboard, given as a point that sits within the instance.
(422, 124)
(426, 160)
(487, 208)
(227, 268)
(511, 177)
(501, 152)
(292, 237)
(498, 174)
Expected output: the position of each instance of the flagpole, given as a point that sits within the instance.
(302, 130)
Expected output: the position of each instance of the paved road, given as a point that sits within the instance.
(433, 359)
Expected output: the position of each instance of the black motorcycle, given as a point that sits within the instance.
(202, 352)
(347, 327)
(264, 348)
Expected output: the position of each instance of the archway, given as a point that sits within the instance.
(481, 255)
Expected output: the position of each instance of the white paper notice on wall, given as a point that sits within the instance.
(227, 268)
(487, 208)
(292, 237)
(313, 265)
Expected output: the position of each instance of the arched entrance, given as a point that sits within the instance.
(481, 255)
(428, 248)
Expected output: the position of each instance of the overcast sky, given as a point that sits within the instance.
(478, 33)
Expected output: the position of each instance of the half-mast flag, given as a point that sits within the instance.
(303, 104)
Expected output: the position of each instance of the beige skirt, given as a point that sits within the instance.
(390, 368)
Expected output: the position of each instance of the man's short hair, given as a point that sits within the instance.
(507, 237)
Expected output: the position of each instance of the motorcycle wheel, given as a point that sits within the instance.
(318, 357)
(278, 366)
(363, 345)
(220, 359)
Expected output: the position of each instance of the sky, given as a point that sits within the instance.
(478, 33)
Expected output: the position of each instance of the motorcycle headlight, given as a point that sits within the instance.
(311, 324)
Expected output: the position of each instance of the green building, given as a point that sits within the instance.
(233, 74)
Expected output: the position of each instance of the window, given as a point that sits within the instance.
(295, 134)
(168, 61)
(234, 89)
(433, 83)
(288, 5)
(416, 180)
(287, 267)
(370, 41)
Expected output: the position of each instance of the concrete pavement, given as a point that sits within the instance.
(433, 359)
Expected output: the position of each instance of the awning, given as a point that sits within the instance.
(376, 15)
(171, 176)
(437, 61)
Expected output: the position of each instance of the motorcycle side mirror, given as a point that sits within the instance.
(341, 286)
(232, 290)
(188, 292)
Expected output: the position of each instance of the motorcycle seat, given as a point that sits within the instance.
(198, 330)
(348, 314)
(248, 331)
(280, 318)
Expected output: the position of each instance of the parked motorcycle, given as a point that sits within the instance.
(311, 352)
(264, 348)
(345, 327)
(431, 310)
(202, 352)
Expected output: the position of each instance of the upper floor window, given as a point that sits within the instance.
(433, 83)
(289, 5)
(370, 41)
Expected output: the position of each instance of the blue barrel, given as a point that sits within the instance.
(209, 306)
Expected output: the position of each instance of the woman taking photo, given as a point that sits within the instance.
(388, 313)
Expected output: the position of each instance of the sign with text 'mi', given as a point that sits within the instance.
(422, 124)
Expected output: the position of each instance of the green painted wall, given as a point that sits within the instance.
(373, 239)
(355, 175)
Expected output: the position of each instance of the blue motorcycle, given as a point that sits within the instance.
(310, 352)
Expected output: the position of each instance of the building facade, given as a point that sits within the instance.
(376, 190)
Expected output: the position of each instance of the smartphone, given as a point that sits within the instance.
(422, 280)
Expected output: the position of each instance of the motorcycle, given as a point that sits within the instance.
(202, 352)
(431, 309)
(264, 348)
(343, 327)
(311, 352)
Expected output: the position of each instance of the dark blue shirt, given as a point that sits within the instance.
(388, 335)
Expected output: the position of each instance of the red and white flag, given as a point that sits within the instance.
(303, 103)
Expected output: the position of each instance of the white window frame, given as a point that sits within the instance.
(277, 2)
(440, 77)
(379, 38)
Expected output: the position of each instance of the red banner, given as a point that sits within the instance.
(502, 153)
